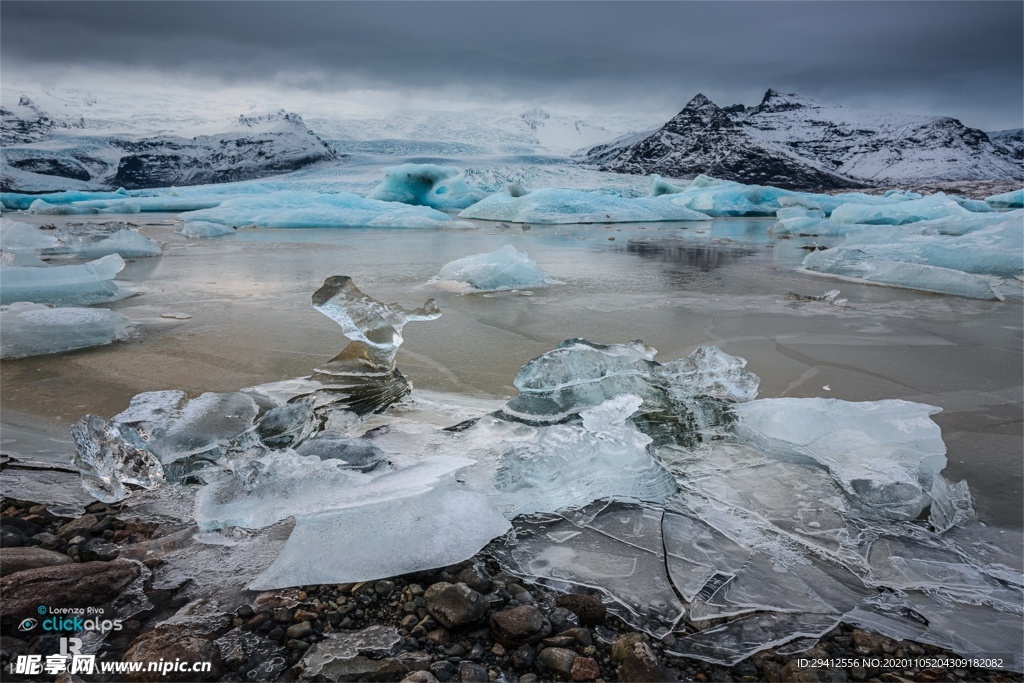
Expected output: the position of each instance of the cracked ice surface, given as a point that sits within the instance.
(667, 488)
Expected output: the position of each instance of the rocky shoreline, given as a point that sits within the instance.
(468, 622)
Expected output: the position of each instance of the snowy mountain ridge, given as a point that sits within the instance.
(797, 142)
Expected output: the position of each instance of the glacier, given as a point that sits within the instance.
(439, 187)
(38, 329)
(505, 268)
(552, 206)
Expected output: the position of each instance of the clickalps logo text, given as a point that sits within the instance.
(71, 619)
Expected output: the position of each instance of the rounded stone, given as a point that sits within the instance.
(519, 625)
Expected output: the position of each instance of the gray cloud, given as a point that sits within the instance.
(960, 59)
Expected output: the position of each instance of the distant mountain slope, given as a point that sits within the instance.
(1011, 140)
(794, 142)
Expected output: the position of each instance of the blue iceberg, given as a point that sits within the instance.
(439, 187)
(1007, 200)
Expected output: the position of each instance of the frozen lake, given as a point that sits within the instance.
(673, 285)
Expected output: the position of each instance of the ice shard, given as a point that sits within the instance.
(364, 373)
(111, 455)
(37, 329)
(506, 268)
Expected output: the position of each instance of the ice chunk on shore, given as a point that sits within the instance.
(1007, 200)
(506, 268)
(439, 187)
(110, 455)
(15, 236)
(951, 504)
(294, 209)
(884, 454)
(555, 206)
(709, 371)
(435, 528)
(88, 283)
(37, 329)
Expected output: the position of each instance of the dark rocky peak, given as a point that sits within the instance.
(774, 101)
(699, 114)
(279, 119)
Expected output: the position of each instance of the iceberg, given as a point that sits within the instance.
(506, 268)
(84, 284)
(1007, 200)
(16, 201)
(927, 208)
(295, 209)
(552, 206)
(37, 329)
(439, 187)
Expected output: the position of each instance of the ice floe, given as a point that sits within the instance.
(72, 285)
(37, 329)
(506, 268)
(558, 206)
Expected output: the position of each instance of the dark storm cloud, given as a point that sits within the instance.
(955, 58)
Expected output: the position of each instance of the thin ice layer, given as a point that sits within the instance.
(37, 329)
(439, 187)
(554, 206)
(614, 548)
(127, 242)
(294, 209)
(732, 642)
(84, 284)
(506, 268)
(883, 454)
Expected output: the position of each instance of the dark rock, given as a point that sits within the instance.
(588, 608)
(640, 665)
(473, 673)
(80, 526)
(384, 588)
(357, 668)
(96, 549)
(19, 559)
(623, 645)
(476, 577)
(584, 669)
(86, 584)
(519, 625)
(420, 677)
(523, 657)
(558, 659)
(444, 671)
(303, 629)
(580, 635)
(11, 539)
(168, 645)
(562, 619)
(455, 605)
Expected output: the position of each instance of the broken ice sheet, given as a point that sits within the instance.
(732, 642)
(110, 455)
(615, 548)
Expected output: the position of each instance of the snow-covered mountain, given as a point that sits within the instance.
(27, 122)
(795, 142)
(42, 154)
(257, 146)
(1011, 140)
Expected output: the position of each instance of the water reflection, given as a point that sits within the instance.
(706, 256)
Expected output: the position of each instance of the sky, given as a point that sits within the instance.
(960, 59)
